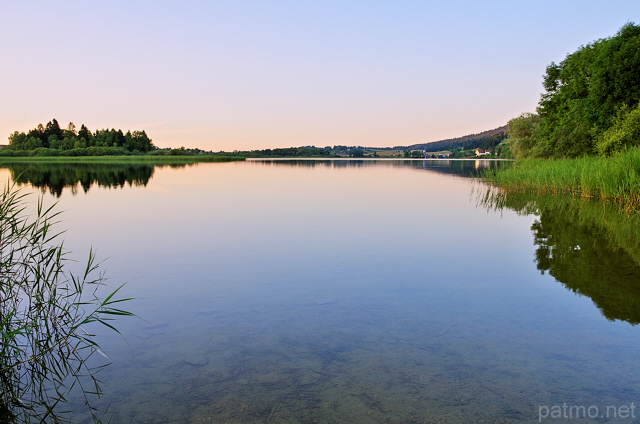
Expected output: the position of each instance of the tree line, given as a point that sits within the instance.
(52, 136)
(591, 103)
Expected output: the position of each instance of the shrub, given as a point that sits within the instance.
(624, 133)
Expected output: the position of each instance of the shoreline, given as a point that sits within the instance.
(613, 178)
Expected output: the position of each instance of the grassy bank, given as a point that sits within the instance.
(615, 178)
(180, 159)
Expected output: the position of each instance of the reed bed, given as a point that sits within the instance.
(45, 311)
(614, 178)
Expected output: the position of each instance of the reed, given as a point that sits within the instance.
(614, 178)
(45, 312)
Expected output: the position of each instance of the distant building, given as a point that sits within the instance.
(480, 152)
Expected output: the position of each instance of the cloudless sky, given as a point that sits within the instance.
(249, 74)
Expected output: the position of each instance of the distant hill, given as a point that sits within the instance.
(486, 140)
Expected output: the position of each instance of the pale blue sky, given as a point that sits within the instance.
(225, 75)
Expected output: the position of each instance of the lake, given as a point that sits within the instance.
(354, 291)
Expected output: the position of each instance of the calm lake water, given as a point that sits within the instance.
(354, 292)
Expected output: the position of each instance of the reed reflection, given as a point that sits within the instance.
(592, 248)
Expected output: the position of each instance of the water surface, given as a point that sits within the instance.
(356, 291)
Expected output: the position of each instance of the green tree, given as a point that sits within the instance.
(38, 133)
(624, 132)
(138, 140)
(70, 131)
(118, 138)
(84, 132)
(586, 91)
(17, 140)
(52, 128)
(32, 143)
(357, 152)
(523, 135)
(53, 142)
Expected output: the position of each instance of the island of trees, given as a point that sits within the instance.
(51, 139)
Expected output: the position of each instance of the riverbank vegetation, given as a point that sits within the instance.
(585, 137)
(591, 103)
(614, 178)
(46, 317)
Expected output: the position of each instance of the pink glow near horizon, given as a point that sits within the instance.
(251, 75)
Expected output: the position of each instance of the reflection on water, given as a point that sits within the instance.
(459, 167)
(356, 292)
(54, 177)
(590, 247)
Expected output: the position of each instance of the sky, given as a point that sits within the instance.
(248, 74)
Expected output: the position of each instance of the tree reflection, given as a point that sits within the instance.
(54, 177)
(592, 248)
(457, 167)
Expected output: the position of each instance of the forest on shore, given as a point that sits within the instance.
(584, 139)
(591, 103)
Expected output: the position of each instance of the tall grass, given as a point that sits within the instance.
(615, 178)
(45, 312)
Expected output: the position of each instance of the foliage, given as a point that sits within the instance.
(44, 313)
(71, 142)
(177, 152)
(624, 132)
(590, 98)
(413, 154)
(523, 132)
(503, 150)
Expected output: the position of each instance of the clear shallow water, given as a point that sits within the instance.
(351, 291)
